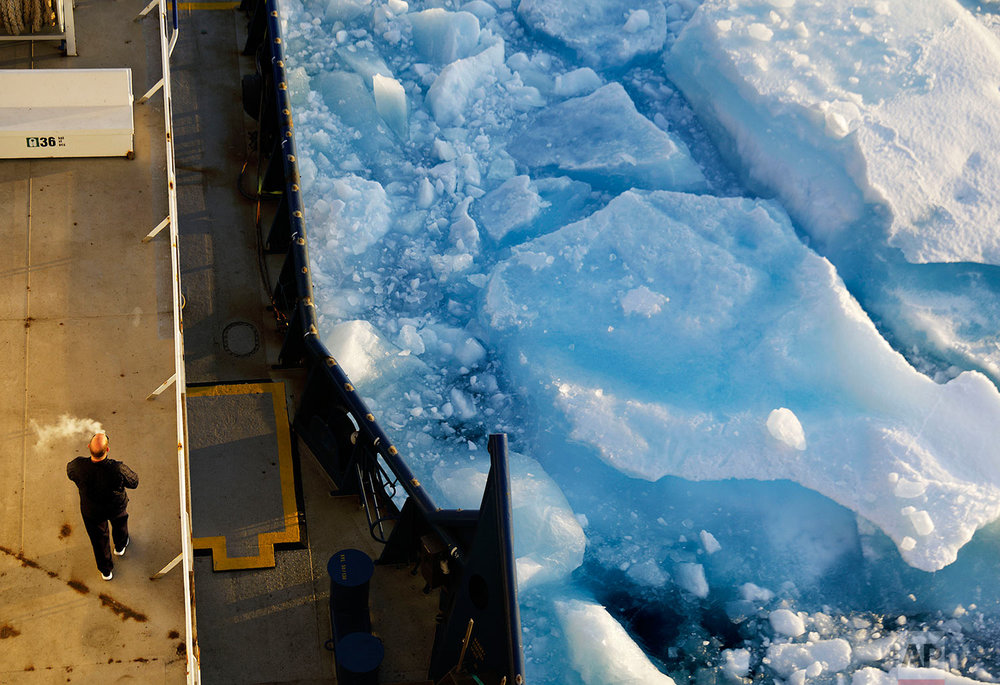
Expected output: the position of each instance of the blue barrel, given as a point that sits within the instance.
(359, 656)
(350, 572)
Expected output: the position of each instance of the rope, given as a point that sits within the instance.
(21, 16)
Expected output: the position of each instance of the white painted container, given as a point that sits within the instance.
(66, 113)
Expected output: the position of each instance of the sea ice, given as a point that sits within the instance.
(831, 655)
(601, 651)
(838, 105)
(786, 622)
(457, 86)
(691, 577)
(390, 103)
(602, 139)
(784, 427)
(709, 543)
(737, 662)
(549, 543)
(512, 206)
(664, 332)
(602, 32)
(753, 320)
(354, 214)
(444, 37)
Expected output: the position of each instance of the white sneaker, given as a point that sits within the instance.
(122, 553)
(110, 575)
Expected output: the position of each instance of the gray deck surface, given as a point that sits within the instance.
(235, 484)
(85, 328)
(85, 336)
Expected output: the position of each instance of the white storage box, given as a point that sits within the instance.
(66, 113)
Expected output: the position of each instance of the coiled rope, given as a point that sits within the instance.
(20, 16)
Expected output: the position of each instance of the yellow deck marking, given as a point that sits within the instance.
(221, 561)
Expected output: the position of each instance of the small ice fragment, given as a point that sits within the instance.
(425, 193)
(907, 543)
(463, 404)
(390, 103)
(760, 32)
(648, 573)
(577, 82)
(643, 301)
(737, 662)
(922, 522)
(709, 542)
(784, 427)
(691, 577)
(836, 125)
(755, 593)
(637, 21)
(909, 488)
(786, 622)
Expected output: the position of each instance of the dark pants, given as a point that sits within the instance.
(97, 529)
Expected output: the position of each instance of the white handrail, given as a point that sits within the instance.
(180, 384)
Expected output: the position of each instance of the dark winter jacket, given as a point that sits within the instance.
(102, 486)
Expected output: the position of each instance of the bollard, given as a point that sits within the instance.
(359, 656)
(350, 572)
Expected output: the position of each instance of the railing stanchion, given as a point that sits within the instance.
(163, 386)
(152, 234)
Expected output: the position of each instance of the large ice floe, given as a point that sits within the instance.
(837, 105)
(698, 337)
(549, 219)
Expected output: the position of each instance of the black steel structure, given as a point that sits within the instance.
(467, 554)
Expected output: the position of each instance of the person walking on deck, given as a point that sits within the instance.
(102, 482)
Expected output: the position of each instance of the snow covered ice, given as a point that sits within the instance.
(897, 100)
(724, 273)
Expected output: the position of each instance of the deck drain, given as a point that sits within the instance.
(240, 339)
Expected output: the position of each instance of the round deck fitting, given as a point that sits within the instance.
(240, 339)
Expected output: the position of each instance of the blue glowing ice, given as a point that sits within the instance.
(741, 439)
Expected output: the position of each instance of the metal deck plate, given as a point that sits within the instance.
(242, 479)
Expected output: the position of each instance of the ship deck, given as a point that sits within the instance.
(86, 333)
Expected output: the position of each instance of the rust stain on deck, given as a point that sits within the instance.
(78, 586)
(121, 610)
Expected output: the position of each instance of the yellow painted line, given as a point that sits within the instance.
(189, 6)
(221, 561)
